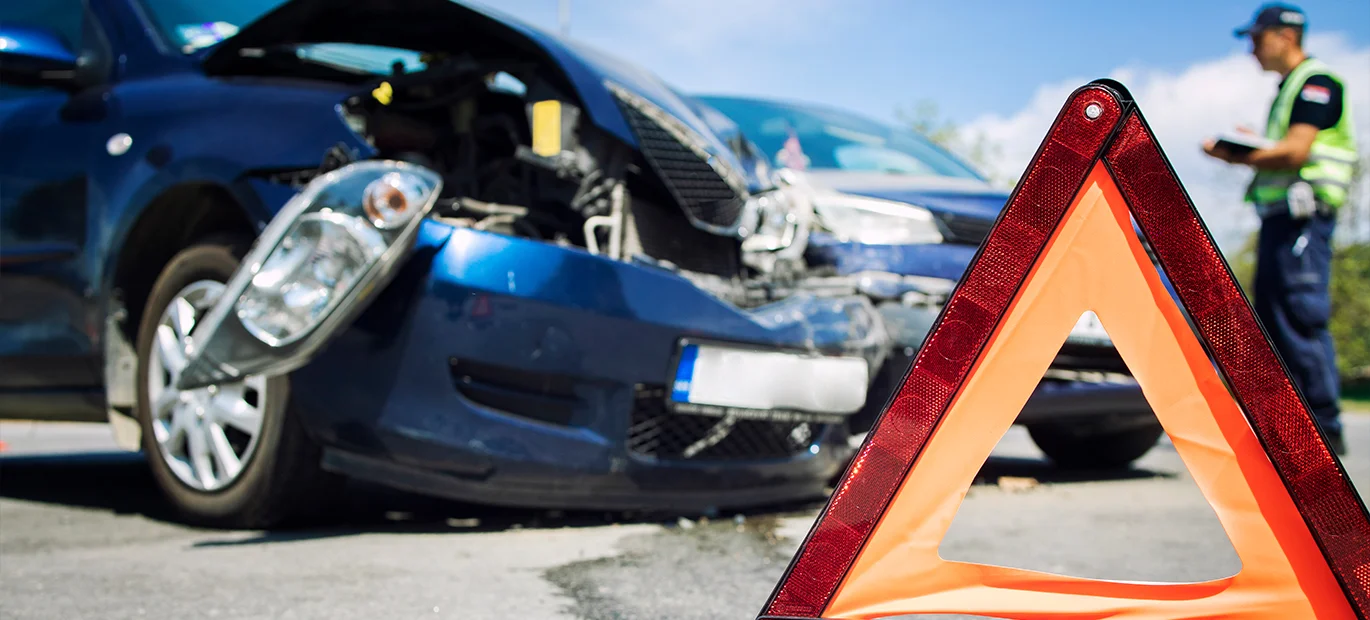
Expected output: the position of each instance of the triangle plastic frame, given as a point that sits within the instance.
(1099, 124)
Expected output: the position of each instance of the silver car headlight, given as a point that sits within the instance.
(312, 270)
(776, 223)
(875, 221)
(344, 228)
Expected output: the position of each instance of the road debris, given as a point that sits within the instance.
(1016, 484)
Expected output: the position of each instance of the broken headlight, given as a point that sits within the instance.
(344, 231)
(313, 267)
(874, 221)
(777, 223)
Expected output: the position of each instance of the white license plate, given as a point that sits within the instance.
(1089, 330)
(725, 380)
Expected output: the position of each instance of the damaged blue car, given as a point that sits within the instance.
(278, 244)
(905, 217)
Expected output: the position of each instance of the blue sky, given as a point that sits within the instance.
(971, 56)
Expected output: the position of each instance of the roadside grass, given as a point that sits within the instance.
(1355, 397)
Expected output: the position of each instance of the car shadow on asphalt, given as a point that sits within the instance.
(120, 482)
(1043, 471)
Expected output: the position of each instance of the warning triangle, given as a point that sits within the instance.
(1067, 243)
(1023, 509)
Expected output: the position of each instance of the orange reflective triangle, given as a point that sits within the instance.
(1067, 244)
(1096, 263)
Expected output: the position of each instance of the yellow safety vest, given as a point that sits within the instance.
(1332, 162)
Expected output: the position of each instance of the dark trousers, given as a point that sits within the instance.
(1292, 300)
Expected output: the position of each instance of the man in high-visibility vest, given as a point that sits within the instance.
(1301, 180)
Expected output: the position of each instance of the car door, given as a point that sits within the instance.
(48, 137)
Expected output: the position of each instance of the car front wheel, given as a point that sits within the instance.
(228, 455)
(1076, 447)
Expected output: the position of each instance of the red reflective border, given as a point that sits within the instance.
(1281, 418)
(979, 303)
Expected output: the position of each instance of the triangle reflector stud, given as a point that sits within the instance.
(1066, 243)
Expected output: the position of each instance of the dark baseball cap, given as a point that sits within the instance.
(1275, 14)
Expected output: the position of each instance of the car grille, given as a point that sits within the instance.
(700, 188)
(965, 229)
(658, 433)
(665, 234)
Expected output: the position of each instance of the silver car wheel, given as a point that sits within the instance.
(205, 435)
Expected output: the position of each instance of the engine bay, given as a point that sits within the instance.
(469, 121)
(518, 158)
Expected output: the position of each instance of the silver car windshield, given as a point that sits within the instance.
(820, 138)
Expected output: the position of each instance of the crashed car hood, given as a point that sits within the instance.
(960, 197)
(409, 24)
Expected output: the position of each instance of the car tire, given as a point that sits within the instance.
(276, 477)
(1075, 448)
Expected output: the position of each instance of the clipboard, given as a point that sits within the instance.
(1241, 143)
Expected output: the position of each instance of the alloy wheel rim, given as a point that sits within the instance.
(207, 435)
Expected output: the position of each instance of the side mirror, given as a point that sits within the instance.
(36, 56)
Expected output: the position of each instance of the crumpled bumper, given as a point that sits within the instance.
(507, 371)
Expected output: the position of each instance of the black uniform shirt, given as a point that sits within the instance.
(1318, 103)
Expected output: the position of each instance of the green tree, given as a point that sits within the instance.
(925, 117)
(1351, 310)
(1351, 279)
(1243, 264)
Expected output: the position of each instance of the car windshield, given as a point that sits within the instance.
(191, 25)
(194, 24)
(821, 138)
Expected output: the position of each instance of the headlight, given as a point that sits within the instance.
(345, 225)
(875, 221)
(390, 200)
(321, 259)
(776, 219)
(777, 224)
(312, 271)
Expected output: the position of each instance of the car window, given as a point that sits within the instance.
(188, 25)
(193, 25)
(63, 16)
(726, 129)
(821, 138)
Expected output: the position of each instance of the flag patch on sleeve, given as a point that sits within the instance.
(1316, 94)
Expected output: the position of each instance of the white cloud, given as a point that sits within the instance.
(738, 46)
(1184, 108)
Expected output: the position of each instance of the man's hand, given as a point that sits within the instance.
(1291, 153)
(1213, 150)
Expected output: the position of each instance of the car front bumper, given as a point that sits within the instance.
(507, 371)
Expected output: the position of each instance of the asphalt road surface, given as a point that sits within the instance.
(84, 534)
